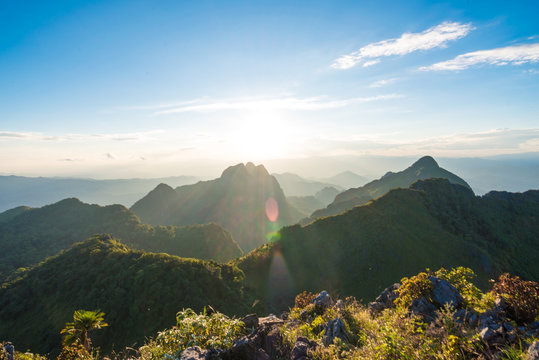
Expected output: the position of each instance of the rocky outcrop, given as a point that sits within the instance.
(385, 300)
(533, 351)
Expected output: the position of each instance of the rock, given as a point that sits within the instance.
(194, 353)
(272, 343)
(500, 304)
(323, 300)
(299, 350)
(333, 328)
(444, 293)
(339, 304)
(422, 307)
(269, 320)
(250, 321)
(533, 351)
(385, 300)
(261, 355)
(466, 316)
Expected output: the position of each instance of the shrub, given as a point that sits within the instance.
(413, 288)
(303, 299)
(461, 278)
(192, 329)
(522, 297)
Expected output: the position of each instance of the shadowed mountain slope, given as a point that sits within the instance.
(244, 200)
(28, 236)
(432, 224)
(424, 168)
(295, 185)
(139, 292)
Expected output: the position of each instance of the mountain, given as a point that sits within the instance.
(433, 223)
(28, 236)
(424, 168)
(139, 292)
(246, 200)
(308, 204)
(35, 192)
(347, 180)
(295, 185)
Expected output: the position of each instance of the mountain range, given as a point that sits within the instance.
(28, 236)
(246, 200)
(424, 168)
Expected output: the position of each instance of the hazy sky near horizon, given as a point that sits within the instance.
(102, 87)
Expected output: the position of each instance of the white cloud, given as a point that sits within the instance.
(510, 55)
(382, 83)
(277, 103)
(436, 36)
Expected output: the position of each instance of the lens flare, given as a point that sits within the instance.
(272, 209)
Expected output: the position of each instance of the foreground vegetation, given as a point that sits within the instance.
(396, 332)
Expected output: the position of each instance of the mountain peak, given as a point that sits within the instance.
(425, 162)
(244, 169)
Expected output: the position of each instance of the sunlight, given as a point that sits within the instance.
(263, 136)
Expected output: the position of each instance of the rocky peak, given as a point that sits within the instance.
(425, 162)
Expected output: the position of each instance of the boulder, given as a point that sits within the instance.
(333, 328)
(444, 293)
(323, 300)
(423, 308)
(533, 351)
(385, 300)
(466, 316)
(195, 353)
(270, 320)
(250, 321)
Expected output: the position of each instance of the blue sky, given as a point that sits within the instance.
(106, 87)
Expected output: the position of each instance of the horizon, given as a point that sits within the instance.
(134, 89)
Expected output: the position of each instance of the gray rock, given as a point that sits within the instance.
(422, 307)
(334, 328)
(466, 316)
(250, 321)
(533, 351)
(194, 353)
(444, 293)
(261, 355)
(299, 350)
(385, 300)
(339, 304)
(269, 320)
(323, 299)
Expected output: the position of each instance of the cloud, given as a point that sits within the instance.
(278, 103)
(510, 55)
(434, 37)
(382, 83)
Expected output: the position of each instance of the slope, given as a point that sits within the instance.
(30, 235)
(139, 292)
(424, 168)
(295, 185)
(432, 224)
(245, 200)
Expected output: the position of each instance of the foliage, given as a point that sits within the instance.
(76, 332)
(74, 351)
(413, 288)
(31, 236)
(303, 299)
(140, 293)
(461, 278)
(192, 329)
(522, 297)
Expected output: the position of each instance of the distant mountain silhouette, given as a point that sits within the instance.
(433, 223)
(347, 180)
(308, 204)
(28, 236)
(424, 168)
(246, 200)
(40, 191)
(295, 185)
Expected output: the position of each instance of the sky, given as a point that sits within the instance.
(111, 88)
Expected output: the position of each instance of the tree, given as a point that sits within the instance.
(83, 322)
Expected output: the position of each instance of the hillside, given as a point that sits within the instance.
(28, 236)
(424, 168)
(40, 191)
(308, 204)
(432, 224)
(295, 185)
(139, 292)
(245, 200)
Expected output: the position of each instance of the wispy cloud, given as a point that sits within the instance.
(434, 37)
(382, 83)
(277, 103)
(510, 55)
(31, 136)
